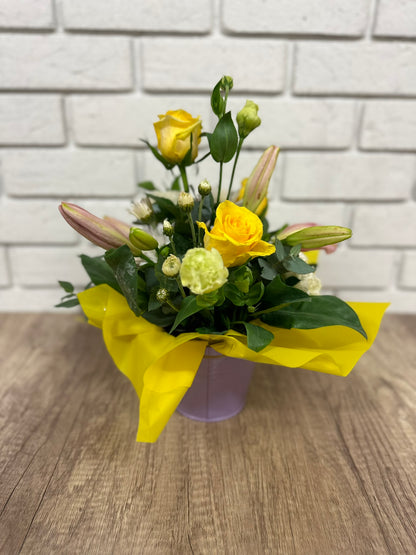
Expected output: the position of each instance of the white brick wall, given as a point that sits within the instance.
(82, 82)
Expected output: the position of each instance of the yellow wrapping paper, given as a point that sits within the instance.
(162, 367)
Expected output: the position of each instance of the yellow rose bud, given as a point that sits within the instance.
(174, 130)
(203, 271)
(236, 235)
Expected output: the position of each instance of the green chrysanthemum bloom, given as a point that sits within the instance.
(203, 271)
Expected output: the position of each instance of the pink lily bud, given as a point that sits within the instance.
(312, 236)
(107, 233)
(258, 182)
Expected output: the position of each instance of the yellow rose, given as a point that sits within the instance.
(173, 131)
(236, 235)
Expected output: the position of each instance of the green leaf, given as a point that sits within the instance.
(159, 318)
(99, 272)
(294, 251)
(66, 286)
(165, 205)
(280, 250)
(320, 311)
(124, 267)
(176, 184)
(68, 304)
(168, 165)
(189, 307)
(278, 293)
(217, 102)
(268, 270)
(148, 185)
(223, 141)
(257, 337)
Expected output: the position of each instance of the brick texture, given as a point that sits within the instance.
(26, 14)
(130, 15)
(353, 176)
(396, 18)
(31, 120)
(346, 68)
(257, 65)
(389, 125)
(82, 82)
(51, 172)
(64, 62)
(408, 271)
(306, 17)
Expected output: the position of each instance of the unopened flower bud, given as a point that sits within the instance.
(142, 209)
(204, 188)
(142, 240)
(251, 309)
(171, 266)
(162, 296)
(185, 202)
(168, 228)
(227, 82)
(247, 119)
(165, 251)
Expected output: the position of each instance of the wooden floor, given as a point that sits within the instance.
(315, 464)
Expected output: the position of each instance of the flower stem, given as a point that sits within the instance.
(237, 154)
(170, 303)
(181, 289)
(191, 225)
(220, 183)
(200, 219)
(184, 178)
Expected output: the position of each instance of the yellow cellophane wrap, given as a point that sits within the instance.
(162, 367)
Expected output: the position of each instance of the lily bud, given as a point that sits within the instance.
(142, 240)
(185, 202)
(312, 236)
(258, 182)
(107, 233)
(247, 119)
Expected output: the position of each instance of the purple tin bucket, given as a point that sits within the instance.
(219, 389)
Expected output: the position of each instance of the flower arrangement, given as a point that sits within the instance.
(200, 266)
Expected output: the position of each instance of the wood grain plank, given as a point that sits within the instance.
(314, 464)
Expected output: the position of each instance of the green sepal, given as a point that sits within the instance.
(168, 165)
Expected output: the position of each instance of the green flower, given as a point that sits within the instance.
(203, 271)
